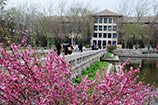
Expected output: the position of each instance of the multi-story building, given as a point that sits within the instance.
(105, 28)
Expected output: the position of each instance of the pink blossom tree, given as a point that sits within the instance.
(29, 79)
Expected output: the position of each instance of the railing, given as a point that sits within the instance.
(80, 61)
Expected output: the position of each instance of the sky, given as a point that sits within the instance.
(97, 4)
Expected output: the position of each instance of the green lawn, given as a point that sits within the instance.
(91, 71)
(109, 55)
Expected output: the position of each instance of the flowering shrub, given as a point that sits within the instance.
(122, 89)
(28, 79)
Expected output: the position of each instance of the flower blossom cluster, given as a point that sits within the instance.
(26, 79)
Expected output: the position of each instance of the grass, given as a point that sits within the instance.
(91, 71)
(109, 55)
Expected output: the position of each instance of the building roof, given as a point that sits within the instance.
(67, 19)
(145, 19)
(106, 12)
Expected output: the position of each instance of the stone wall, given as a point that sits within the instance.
(139, 53)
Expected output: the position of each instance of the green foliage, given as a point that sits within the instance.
(133, 33)
(111, 48)
(91, 71)
(109, 55)
(132, 30)
(50, 41)
(77, 80)
(88, 46)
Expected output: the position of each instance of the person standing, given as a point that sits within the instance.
(69, 48)
(93, 47)
(80, 47)
(58, 47)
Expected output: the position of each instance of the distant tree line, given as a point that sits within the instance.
(138, 33)
(45, 26)
(58, 21)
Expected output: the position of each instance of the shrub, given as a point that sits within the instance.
(111, 48)
(29, 80)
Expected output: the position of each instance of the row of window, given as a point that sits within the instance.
(105, 35)
(104, 28)
(103, 20)
(104, 42)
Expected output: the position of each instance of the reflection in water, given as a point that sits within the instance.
(148, 72)
(156, 64)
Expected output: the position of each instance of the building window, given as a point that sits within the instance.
(105, 20)
(96, 20)
(110, 20)
(113, 42)
(94, 42)
(109, 28)
(109, 42)
(105, 28)
(95, 28)
(104, 44)
(104, 35)
(109, 35)
(100, 28)
(99, 43)
(114, 28)
(114, 35)
(95, 35)
(100, 20)
(100, 35)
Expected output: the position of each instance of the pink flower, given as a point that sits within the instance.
(26, 79)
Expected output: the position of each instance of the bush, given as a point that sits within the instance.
(111, 48)
(29, 80)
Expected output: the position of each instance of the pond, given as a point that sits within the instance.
(149, 71)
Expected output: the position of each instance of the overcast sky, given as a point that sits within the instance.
(99, 4)
(93, 4)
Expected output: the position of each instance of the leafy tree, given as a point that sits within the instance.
(133, 33)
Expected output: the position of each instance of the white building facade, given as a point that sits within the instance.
(105, 28)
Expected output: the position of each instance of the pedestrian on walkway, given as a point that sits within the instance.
(70, 48)
(58, 48)
(80, 47)
(65, 48)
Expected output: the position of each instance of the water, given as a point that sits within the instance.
(149, 71)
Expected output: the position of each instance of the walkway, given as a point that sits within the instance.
(79, 61)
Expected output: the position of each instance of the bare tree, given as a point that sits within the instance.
(141, 8)
(155, 7)
(80, 12)
(61, 7)
(125, 8)
(153, 27)
(50, 9)
(2, 5)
